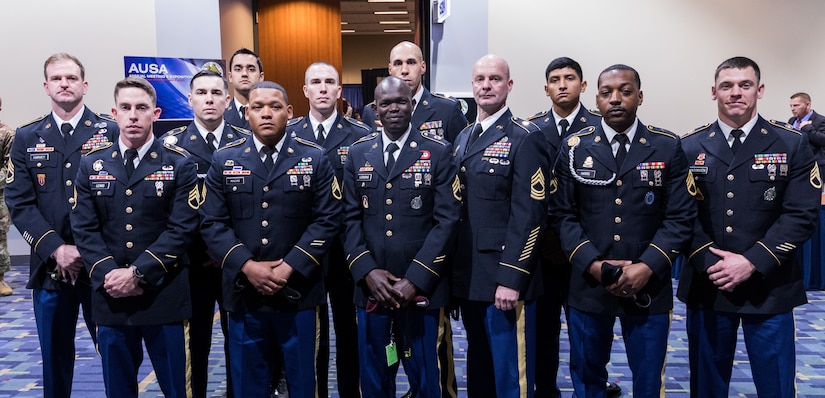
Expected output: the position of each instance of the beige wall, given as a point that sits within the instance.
(675, 46)
(366, 52)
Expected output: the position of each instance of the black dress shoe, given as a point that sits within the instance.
(613, 390)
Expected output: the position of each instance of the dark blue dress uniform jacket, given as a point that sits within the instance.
(761, 203)
(231, 116)
(40, 191)
(402, 220)
(344, 133)
(291, 213)
(504, 180)
(643, 214)
(147, 221)
(435, 114)
(190, 139)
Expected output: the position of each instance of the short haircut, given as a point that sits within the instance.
(561, 63)
(269, 84)
(805, 97)
(321, 63)
(246, 51)
(63, 57)
(738, 63)
(137, 82)
(622, 67)
(208, 73)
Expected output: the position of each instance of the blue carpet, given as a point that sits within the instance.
(20, 368)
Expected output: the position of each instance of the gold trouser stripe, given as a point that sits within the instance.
(573, 253)
(51, 231)
(223, 262)
(769, 251)
(92, 268)
(308, 255)
(445, 342)
(317, 348)
(664, 365)
(521, 343)
(188, 351)
(699, 249)
(663, 253)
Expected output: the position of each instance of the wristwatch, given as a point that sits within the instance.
(136, 272)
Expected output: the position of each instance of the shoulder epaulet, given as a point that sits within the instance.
(525, 124)
(433, 138)
(696, 130)
(176, 149)
(357, 123)
(34, 121)
(661, 131)
(446, 97)
(307, 143)
(574, 139)
(784, 126)
(105, 116)
(99, 147)
(295, 121)
(235, 143)
(366, 138)
(240, 130)
(176, 131)
(594, 112)
(538, 115)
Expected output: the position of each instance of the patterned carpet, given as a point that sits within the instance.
(20, 369)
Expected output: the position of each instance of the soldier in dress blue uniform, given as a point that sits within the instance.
(208, 98)
(503, 170)
(335, 133)
(245, 69)
(623, 211)
(135, 214)
(758, 188)
(272, 208)
(40, 195)
(432, 113)
(567, 115)
(402, 205)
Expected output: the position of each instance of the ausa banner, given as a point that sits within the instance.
(170, 77)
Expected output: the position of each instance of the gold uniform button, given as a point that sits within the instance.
(99, 193)
(301, 188)
(68, 183)
(389, 233)
(730, 195)
(463, 169)
(129, 245)
(650, 183)
(618, 201)
(68, 165)
(264, 241)
(266, 188)
(617, 220)
(128, 192)
(730, 177)
(71, 200)
(388, 202)
(729, 212)
(389, 185)
(264, 223)
(235, 188)
(264, 205)
(617, 238)
(128, 227)
(618, 183)
(39, 164)
(728, 229)
(389, 217)
(128, 210)
(492, 171)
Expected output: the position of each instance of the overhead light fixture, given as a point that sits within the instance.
(394, 22)
(397, 31)
(344, 23)
(385, 1)
(347, 30)
(390, 12)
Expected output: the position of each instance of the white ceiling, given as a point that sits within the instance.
(358, 17)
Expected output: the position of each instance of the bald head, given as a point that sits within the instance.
(407, 63)
(491, 84)
(393, 104)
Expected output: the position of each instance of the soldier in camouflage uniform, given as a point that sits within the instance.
(6, 138)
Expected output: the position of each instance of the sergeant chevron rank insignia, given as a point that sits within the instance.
(537, 185)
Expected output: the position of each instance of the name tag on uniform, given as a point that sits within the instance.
(38, 157)
(100, 185)
(699, 169)
(235, 180)
(364, 177)
(586, 173)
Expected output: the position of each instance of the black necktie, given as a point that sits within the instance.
(242, 110)
(320, 139)
(622, 152)
(473, 136)
(268, 162)
(737, 142)
(66, 130)
(391, 148)
(564, 125)
(131, 154)
(210, 139)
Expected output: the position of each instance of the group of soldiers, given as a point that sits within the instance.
(405, 221)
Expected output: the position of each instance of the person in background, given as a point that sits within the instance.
(810, 123)
(245, 69)
(6, 139)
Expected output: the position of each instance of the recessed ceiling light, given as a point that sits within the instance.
(347, 30)
(397, 31)
(344, 23)
(385, 1)
(394, 22)
(390, 12)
